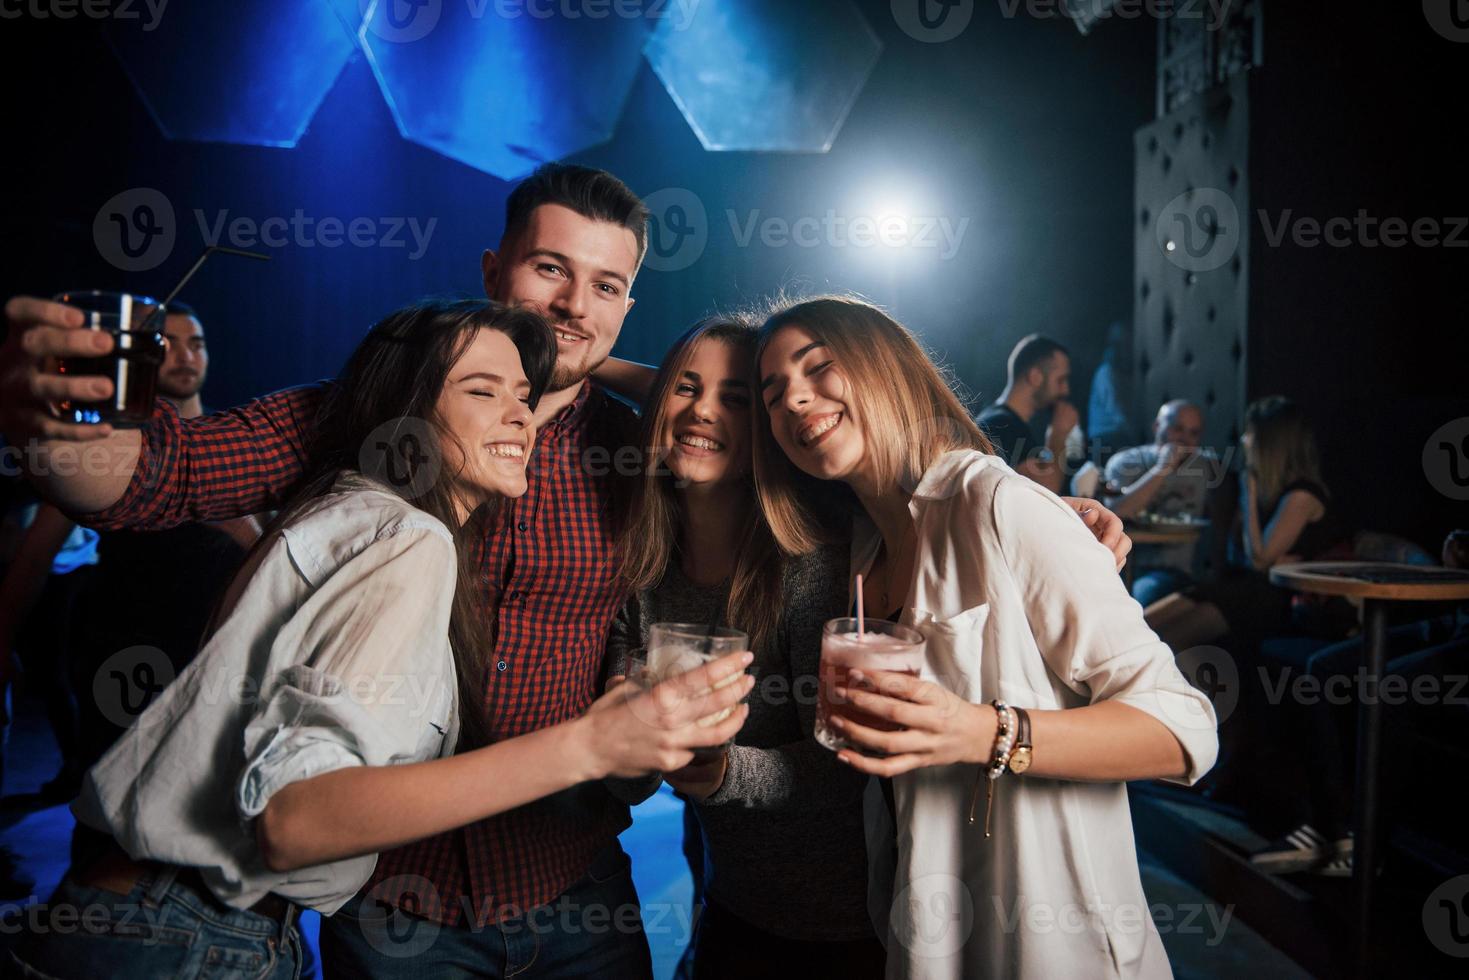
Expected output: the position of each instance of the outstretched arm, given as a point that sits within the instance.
(629, 379)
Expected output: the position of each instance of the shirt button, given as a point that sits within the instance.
(502, 665)
(523, 526)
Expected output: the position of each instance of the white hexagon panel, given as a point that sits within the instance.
(774, 75)
(252, 72)
(504, 85)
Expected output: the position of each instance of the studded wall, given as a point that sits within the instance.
(1191, 261)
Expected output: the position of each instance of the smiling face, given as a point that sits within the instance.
(484, 407)
(575, 271)
(811, 410)
(706, 412)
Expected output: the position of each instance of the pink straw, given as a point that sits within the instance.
(860, 628)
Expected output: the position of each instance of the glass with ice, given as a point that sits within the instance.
(882, 645)
(676, 648)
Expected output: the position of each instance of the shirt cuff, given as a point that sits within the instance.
(157, 453)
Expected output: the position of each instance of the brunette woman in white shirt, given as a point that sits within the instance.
(318, 725)
(1018, 605)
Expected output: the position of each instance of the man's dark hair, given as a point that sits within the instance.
(1032, 351)
(178, 307)
(594, 194)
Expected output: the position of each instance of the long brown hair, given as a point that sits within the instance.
(651, 538)
(906, 404)
(1283, 449)
(393, 379)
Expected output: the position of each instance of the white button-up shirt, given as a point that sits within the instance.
(335, 654)
(1019, 602)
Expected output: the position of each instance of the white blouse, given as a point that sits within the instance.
(335, 654)
(1019, 602)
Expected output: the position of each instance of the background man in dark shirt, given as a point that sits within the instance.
(1040, 382)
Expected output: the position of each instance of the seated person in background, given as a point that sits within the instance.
(1284, 517)
(1040, 382)
(1320, 733)
(1107, 418)
(1170, 478)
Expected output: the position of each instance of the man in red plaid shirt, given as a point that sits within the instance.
(545, 889)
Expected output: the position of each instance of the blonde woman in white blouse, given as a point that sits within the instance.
(319, 723)
(1018, 604)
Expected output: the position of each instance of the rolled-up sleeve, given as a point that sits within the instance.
(1091, 633)
(370, 680)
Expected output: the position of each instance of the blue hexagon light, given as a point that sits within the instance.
(251, 72)
(504, 85)
(765, 74)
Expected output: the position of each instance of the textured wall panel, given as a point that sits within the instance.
(1191, 263)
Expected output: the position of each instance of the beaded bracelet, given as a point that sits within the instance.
(1005, 732)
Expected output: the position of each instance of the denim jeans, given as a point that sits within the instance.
(593, 929)
(160, 929)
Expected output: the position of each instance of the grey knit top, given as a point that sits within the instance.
(784, 838)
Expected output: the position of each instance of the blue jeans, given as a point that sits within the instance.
(1154, 583)
(593, 929)
(160, 929)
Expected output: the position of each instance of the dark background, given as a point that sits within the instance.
(1021, 125)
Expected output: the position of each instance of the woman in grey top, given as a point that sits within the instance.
(786, 881)
(319, 723)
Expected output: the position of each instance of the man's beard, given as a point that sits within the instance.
(564, 376)
(182, 390)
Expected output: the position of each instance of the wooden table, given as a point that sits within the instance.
(1376, 584)
(1157, 532)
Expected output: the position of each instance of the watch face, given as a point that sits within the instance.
(1020, 761)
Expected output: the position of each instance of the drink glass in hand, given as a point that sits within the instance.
(883, 646)
(132, 364)
(676, 648)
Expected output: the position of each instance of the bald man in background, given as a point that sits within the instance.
(1171, 478)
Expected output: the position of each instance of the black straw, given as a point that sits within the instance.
(208, 251)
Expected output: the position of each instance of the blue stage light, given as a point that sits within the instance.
(251, 72)
(504, 85)
(765, 74)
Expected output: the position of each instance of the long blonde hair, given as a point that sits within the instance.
(1283, 448)
(651, 538)
(906, 404)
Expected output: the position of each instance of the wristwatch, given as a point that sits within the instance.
(1020, 755)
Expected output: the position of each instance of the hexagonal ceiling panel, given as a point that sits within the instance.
(250, 72)
(503, 86)
(775, 75)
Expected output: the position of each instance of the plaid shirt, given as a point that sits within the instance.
(549, 572)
